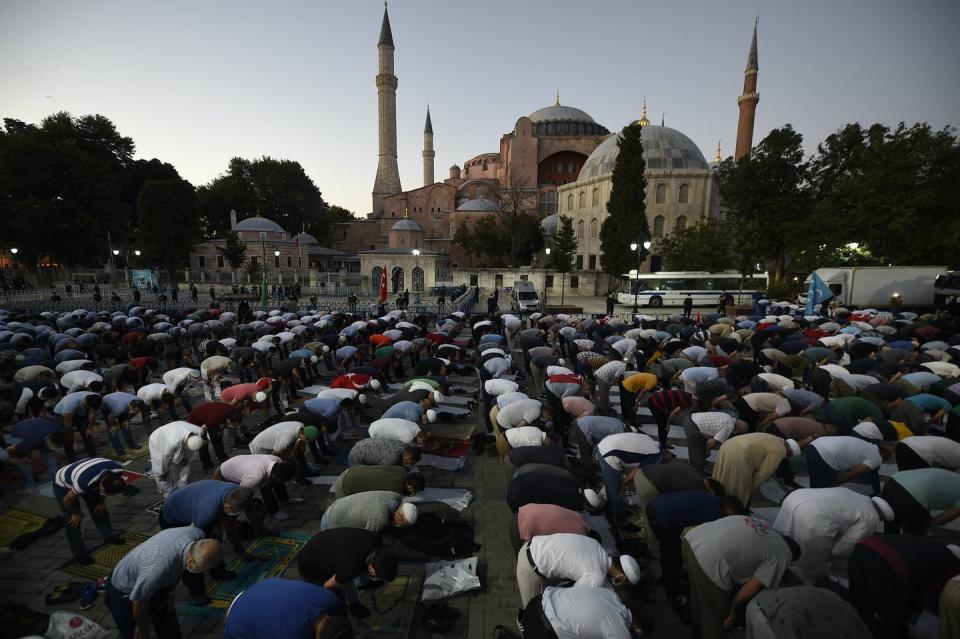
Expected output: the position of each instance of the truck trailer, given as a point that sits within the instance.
(876, 286)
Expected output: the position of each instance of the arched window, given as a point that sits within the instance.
(417, 278)
(661, 193)
(570, 202)
(681, 223)
(683, 196)
(375, 277)
(580, 226)
(396, 277)
(658, 226)
(596, 197)
(594, 228)
(583, 199)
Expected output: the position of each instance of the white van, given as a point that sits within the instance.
(524, 297)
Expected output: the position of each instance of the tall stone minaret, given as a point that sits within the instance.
(388, 175)
(748, 101)
(428, 153)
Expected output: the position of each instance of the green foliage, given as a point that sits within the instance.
(252, 268)
(168, 222)
(703, 246)
(490, 241)
(627, 219)
(62, 187)
(278, 189)
(782, 290)
(516, 210)
(338, 214)
(767, 197)
(136, 175)
(564, 246)
(234, 251)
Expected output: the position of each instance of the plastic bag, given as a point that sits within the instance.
(448, 578)
(68, 625)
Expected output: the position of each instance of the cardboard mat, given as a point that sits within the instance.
(105, 557)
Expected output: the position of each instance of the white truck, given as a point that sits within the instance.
(875, 286)
(524, 296)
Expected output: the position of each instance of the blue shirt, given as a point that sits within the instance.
(72, 403)
(117, 403)
(33, 432)
(345, 353)
(323, 406)
(199, 503)
(929, 403)
(676, 511)
(275, 608)
(921, 379)
(409, 411)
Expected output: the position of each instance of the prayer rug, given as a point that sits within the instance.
(393, 605)
(105, 557)
(450, 447)
(131, 454)
(460, 432)
(17, 524)
(156, 508)
(277, 554)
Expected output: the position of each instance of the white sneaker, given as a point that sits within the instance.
(296, 500)
(280, 515)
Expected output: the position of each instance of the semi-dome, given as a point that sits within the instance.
(557, 113)
(663, 149)
(306, 238)
(257, 223)
(550, 224)
(406, 225)
(479, 204)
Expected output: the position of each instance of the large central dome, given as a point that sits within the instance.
(557, 113)
(663, 149)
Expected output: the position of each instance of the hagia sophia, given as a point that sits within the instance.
(558, 153)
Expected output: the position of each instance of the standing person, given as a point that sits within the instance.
(193, 292)
(92, 480)
(722, 303)
(611, 303)
(140, 591)
(171, 447)
(687, 306)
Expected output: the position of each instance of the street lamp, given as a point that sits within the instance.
(136, 252)
(116, 252)
(14, 250)
(416, 286)
(276, 263)
(547, 251)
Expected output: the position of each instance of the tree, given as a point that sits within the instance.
(168, 222)
(61, 188)
(136, 175)
(253, 269)
(277, 189)
(703, 246)
(338, 214)
(626, 221)
(484, 239)
(564, 249)
(517, 209)
(766, 195)
(234, 251)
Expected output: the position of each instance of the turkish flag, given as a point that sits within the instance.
(383, 285)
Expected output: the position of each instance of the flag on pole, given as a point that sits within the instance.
(383, 285)
(818, 292)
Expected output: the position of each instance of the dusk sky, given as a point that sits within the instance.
(196, 83)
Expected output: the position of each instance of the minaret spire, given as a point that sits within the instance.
(643, 121)
(428, 153)
(719, 157)
(388, 174)
(748, 100)
(558, 98)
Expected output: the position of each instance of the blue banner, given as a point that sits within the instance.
(818, 293)
(143, 280)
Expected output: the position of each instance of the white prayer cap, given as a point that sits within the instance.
(794, 447)
(431, 416)
(326, 349)
(592, 498)
(631, 569)
(313, 359)
(868, 430)
(362, 399)
(374, 384)
(437, 396)
(260, 397)
(194, 442)
(409, 513)
(883, 506)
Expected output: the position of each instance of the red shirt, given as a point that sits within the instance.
(131, 338)
(667, 400)
(353, 381)
(438, 338)
(239, 392)
(380, 340)
(212, 414)
(139, 362)
(565, 379)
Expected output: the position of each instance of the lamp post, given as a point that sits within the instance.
(13, 252)
(416, 285)
(636, 285)
(547, 251)
(276, 263)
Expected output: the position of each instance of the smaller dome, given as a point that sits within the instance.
(550, 224)
(258, 223)
(306, 238)
(479, 204)
(406, 225)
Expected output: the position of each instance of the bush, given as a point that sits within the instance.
(782, 291)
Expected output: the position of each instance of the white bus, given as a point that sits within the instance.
(946, 288)
(669, 288)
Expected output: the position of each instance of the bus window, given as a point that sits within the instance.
(692, 284)
(672, 285)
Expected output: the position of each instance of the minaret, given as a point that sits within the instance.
(428, 153)
(748, 101)
(643, 121)
(388, 175)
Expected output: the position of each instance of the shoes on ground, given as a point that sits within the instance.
(88, 596)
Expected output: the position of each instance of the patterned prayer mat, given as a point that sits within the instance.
(105, 557)
(156, 508)
(131, 454)
(277, 553)
(16, 523)
(393, 605)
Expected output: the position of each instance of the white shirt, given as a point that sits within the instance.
(524, 436)
(778, 382)
(250, 471)
(79, 380)
(586, 613)
(695, 353)
(835, 370)
(215, 363)
(826, 523)
(558, 370)
(843, 452)
(768, 402)
(497, 366)
(525, 410)
(859, 382)
(339, 393)
(943, 369)
(936, 451)
(626, 347)
(509, 398)
(151, 392)
(394, 428)
(72, 364)
(500, 386)
(571, 556)
(715, 424)
(610, 371)
(627, 450)
(168, 443)
(175, 377)
(277, 438)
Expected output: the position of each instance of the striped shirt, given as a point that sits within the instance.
(79, 476)
(155, 564)
(666, 400)
(592, 359)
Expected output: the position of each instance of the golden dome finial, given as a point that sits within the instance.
(643, 121)
(719, 157)
(558, 98)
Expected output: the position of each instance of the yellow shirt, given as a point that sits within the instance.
(640, 381)
(902, 431)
